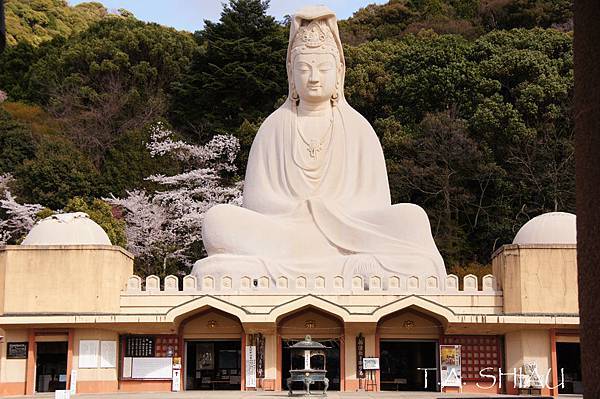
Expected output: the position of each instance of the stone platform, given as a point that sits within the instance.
(281, 395)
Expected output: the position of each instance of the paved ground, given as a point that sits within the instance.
(273, 395)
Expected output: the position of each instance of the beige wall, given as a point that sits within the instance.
(324, 325)
(226, 326)
(94, 374)
(527, 347)
(538, 279)
(351, 331)
(63, 279)
(271, 356)
(12, 370)
(409, 324)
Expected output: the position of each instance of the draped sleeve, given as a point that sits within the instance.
(266, 188)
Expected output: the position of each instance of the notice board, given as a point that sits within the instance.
(152, 368)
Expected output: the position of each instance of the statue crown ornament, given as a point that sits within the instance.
(315, 36)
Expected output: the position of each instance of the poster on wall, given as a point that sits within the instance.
(88, 354)
(108, 354)
(250, 366)
(450, 365)
(17, 350)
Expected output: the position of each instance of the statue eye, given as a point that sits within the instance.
(303, 67)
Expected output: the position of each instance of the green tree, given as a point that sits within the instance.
(15, 62)
(436, 164)
(36, 21)
(16, 143)
(238, 74)
(56, 173)
(101, 213)
(128, 163)
(112, 78)
(512, 94)
(502, 14)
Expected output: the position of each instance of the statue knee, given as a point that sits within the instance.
(215, 221)
(217, 216)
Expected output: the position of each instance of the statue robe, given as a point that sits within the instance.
(332, 217)
(302, 216)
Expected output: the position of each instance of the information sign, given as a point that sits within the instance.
(108, 354)
(250, 366)
(371, 363)
(88, 354)
(17, 350)
(450, 364)
(152, 368)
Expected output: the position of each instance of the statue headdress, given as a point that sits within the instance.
(314, 36)
(315, 29)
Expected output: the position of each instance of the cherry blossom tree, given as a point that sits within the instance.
(164, 227)
(15, 219)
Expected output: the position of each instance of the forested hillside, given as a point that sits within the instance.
(472, 101)
(37, 21)
(469, 18)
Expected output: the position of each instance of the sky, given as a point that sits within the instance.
(190, 14)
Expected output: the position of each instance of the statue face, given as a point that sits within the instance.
(315, 76)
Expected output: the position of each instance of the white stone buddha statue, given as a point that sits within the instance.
(316, 193)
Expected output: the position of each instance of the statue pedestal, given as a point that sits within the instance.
(326, 273)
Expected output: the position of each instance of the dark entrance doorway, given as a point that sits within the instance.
(333, 364)
(568, 358)
(51, 366)
(213, 365)
(402, 364)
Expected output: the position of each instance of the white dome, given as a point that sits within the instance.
(67, 229)
(549, 228)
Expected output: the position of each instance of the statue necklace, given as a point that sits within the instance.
(314, 146)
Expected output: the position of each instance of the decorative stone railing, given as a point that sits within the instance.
(317, 284)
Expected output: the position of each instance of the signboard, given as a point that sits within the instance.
(371, 363)
(360, 354)
(250, 366)
(152, 368)
(176, 385)
(450, 365)
(139, 346)
(307, 359)
(73, 384)
(17, 350)
(88, 354)
(108, 354)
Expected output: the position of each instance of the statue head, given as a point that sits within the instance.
(315, 58)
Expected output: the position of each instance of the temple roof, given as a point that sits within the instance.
(549, 228)
(67, 229)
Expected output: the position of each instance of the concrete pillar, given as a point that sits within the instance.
(270, 361)
(528, 346)
(351, 331)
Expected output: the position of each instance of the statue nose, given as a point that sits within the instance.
(314, 76)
